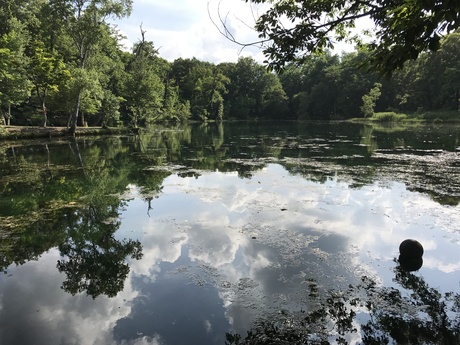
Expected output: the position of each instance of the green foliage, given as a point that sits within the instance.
(144, 89)
(203, 85)
(110, 108)
(61, 64)
(389, 116)
(253, 92)
(325, 88)
(173, 109)
(14, 85)
(370, 99)
(440, 116)
(46, 71)
(291, 30)
(84, 22)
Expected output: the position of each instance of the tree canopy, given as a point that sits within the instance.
(63, 63)
(290, 30)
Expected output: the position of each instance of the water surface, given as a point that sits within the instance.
(244, 233)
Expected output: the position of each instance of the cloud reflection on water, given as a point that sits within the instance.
(34, 310)
(221, 251)
(266, 235)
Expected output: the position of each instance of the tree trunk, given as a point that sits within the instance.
(74, 118)
(8, 118)
(42, 99)
(82, 119)
(45, 117)
(211, 96)
(166, 92)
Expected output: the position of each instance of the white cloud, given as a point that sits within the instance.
(185, 28)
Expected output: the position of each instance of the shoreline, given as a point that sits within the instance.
(36, 132)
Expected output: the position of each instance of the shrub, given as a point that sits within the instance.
(389, 116)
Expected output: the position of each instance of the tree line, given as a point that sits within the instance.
(62, 64)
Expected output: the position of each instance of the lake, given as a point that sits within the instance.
(241, 233)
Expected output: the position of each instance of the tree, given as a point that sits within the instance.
(110, 108)
(314, 94)
(109, 62)
(46, 72)
(91, 96)
(203, 85)
(450, 65)
(207, 98)
(274, 99)
(354, 82)
(253, 91)
(172, 107)
(144, 89)
(14, 86)
(84, 21)
(290, 30)
(370, 99)
(24, 12)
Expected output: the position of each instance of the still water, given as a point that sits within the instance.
(235, 233)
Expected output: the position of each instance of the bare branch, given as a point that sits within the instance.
(226, 32)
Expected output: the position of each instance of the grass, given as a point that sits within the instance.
(429, 116)
(390, 116)
(441, 116)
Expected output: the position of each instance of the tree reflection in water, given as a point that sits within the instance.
(95, 261)
(373, 314)
(97, 265)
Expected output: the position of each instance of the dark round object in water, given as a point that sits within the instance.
(410, 264)
(411, 249)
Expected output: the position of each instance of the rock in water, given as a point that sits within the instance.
(411, 249)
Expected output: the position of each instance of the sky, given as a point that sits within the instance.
(184, 28)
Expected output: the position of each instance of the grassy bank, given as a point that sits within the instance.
(30, 132)
(392, 117)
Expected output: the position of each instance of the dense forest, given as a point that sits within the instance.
(62, 64)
